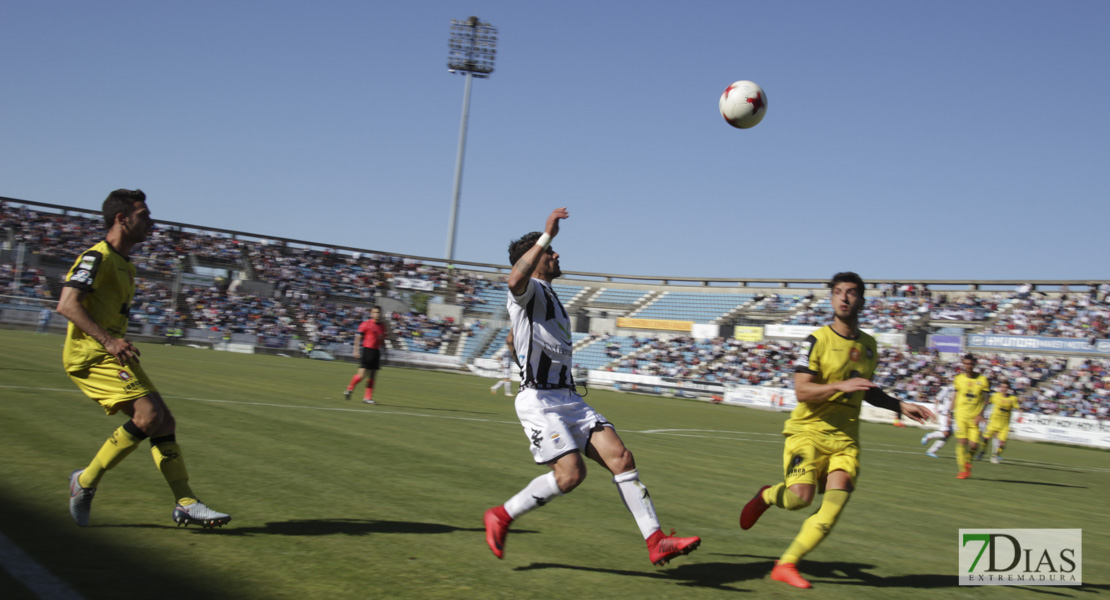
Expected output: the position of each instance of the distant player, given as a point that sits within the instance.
(507, 362)
(96, 296)
(559, 425)
(944, 423)
(971, 397)
(369, 343)
(832, 378)
(1003, 404)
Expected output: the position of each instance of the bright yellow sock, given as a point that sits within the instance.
(782, 497)
(168, 459)
(961, 455)
(111, 453)
(817, 527)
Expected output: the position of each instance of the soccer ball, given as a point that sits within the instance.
(743, 104)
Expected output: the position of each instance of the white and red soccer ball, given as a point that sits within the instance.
(743, 104)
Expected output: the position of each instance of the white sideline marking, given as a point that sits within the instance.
(32, 575)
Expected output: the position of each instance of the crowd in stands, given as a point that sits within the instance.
(919, 376)
(29, 283)
(1078, 316)
(323, 295)
(153, 303)
(880, 313)
(226, 311)
(1081, 392)
(424, 334)
(767, 363)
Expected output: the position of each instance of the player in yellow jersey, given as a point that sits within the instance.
(96, 297)
(971, 389)
(1003, 403)
(832, 378)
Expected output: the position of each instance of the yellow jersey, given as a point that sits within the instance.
(831, 357)
(971, 395)
(108, 280)
(1002, 406)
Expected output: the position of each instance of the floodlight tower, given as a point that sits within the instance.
(471, 50)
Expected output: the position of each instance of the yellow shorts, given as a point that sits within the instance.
(998, 433)
(809, 458)
(112, 385)
(968, 429)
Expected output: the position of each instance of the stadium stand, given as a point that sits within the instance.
(285, 293)
(687, 306)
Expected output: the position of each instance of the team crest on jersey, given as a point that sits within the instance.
(124, 376)
(854, 355)
(557, 441)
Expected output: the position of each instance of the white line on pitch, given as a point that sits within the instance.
(33, 575)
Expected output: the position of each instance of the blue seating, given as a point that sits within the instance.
(686, 306)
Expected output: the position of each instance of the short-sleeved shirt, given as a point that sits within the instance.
(831, 357)
(108, 280)
(373, 334)
(971, 395)
(1002, 407)
(541, 336)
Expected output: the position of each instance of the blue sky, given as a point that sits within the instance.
(903, 140)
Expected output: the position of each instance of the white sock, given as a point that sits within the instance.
(638, 501)
(534, 495)
(937, 445)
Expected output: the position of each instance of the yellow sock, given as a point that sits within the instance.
(817, 527)
(123, 441)
(961, 455)
(782, 497)
(168, 459)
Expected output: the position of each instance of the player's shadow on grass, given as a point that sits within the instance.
(1027, 482)
(317, 527)
(1033, 465)
(722, 575)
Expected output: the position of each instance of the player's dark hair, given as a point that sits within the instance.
(120, 202)
(969, 356)
(848, 277)
(519, 247)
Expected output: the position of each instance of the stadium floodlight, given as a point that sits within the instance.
(470, 52)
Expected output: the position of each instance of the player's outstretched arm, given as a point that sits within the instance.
(809, 391)
(917, 412)
(522, 270)
(70, 307)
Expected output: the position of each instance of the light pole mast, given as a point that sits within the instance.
(471, 50)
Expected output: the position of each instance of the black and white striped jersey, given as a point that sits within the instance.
(541, 337)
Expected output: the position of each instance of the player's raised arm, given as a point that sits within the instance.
(526, 264)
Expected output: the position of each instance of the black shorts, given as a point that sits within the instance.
(371, 359)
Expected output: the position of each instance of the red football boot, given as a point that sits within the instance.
(788, 573)
(753, 509)
(662, 548)
(497, 527)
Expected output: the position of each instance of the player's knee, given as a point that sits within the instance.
(797, 497)
(623, 462)
(568, 479)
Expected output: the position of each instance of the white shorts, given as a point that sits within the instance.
(944, 423)
(556, 422)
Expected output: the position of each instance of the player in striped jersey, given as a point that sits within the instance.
(560, 426)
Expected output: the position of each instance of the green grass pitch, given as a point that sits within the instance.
(335, 499)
